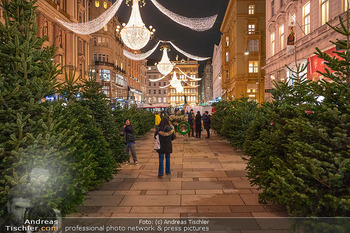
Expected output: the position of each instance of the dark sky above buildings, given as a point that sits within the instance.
(196, 43)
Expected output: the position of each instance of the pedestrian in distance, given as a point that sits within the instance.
(198, 125)
(191, 121)
(206, 123)
(166, 136)
(157, 120)
(128, 131)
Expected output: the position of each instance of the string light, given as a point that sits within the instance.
(191, 85)
(95, 24)
(135, 35)
(165, 66)
(156, 80)
(140, 56)
(196, 79)
(197, 24)
(187, 54)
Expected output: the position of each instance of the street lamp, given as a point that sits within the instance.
(259, 55)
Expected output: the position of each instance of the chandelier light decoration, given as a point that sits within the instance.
(145, 55)
(196, 24)
(134, 34)
(165, 66)
(95, 24)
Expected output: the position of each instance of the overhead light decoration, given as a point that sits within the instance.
(165, 66)
(174, 82)
(180, 88)
(134, 34)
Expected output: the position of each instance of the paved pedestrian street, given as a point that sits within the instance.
(208, 179)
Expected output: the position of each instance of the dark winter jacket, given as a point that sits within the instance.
(129, 134)
(206, 121)
(190, 119)
(198, 122)
(166, 135)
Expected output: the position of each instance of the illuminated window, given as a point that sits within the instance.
(97, 3)
(227, 41)
(346, 5)
(306, 18)
(164, 100)
(253, 66)
(251, 28)
(105, 5)
(281, 31)
(227, 56)
(272, 44)
(251, 9)
(154, 92)
(105, 28)
(324, 11)
(121, 66)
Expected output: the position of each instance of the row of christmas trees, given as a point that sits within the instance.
(298, 146)
(55, 151)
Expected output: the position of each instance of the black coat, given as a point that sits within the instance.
(190, 119)
(198, 122)
(129, 134)
(206, 121)
(166, 145)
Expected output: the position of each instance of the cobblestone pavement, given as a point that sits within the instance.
(208, 179)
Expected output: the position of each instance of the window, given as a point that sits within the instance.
(80, 17)
(105, 28)
(272, 7)
(97, 3)
(253, 45)
(227, 56)
(154, 92)
(121, 66)
(60, 37)
(164, 92)
(154, 84)
(251, 9)
(95, 57)
(159, 100)
(253, 66)
(103, 57)
(95, 41)
(272, 44)
(105, 5)
(281, 31)
(227, 41)
(164, 83)
(60, 60)
(306, 18)
(160, 84)
(99, 57)
(281, 3)
(46, 28)
(251, 28)
(99, 40)
(324, 11)
(149, 92)
(164, 100)
(346, 5)
(149, 84)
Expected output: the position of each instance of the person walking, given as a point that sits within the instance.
(129, 139)
(198, 125)
(157, 120)
(191, 119)
(166, 136)
(206, 123)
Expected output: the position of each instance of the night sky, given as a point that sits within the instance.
(196, 43)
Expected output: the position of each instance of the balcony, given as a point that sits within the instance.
(103, 63)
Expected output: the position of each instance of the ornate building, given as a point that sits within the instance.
(217, 61)
(190, 92)
(72, 49)
(243, 30)
(121, 77)
(207, 82)
(154, 94)
(294, 28)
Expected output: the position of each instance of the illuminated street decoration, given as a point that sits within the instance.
(147, 54)
(156, 80)
(165, 66)
(195, 79)
(196, 24)
(135, 35)
(140, 56)
(95, 24)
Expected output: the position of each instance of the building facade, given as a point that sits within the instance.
(207, 82)
(216, 63)
(72, 49)
(156, 92)
(190, 92)
(293, 30)
(243, 30)
(120, 77)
